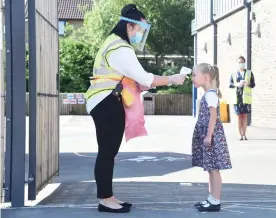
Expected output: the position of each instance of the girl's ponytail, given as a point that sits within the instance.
(216, 71)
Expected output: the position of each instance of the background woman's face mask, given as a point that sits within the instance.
(242, 65)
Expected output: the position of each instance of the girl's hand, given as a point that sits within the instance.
(207, 141)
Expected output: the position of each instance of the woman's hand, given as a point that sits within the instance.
(177, 79)
(143, 88)
(246, 83)
(241, 84)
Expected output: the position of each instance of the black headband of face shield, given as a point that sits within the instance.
(128, 8)
(131, 11)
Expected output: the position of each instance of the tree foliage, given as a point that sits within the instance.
(171, 26)
(170, 20)
(170, 34)
(76, 64)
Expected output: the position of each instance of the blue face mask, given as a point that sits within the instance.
(136, 39)
(242, 65)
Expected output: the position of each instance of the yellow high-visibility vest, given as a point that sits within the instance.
(247, 91)
(105, 78)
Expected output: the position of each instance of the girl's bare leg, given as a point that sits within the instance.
(215, 184)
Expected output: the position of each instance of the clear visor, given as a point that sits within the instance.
(145, 28)
(140, 46)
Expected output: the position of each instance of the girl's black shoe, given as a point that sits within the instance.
(125, 204)
(208, 207)
(199, 203)
(102, 208)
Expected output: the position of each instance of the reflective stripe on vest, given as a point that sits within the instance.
(247, 91)
(106, 78)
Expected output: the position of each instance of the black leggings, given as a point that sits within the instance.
(109, 119)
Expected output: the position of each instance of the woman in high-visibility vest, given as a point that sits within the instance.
(116, 61)
(243, 82)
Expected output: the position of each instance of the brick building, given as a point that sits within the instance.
(69, 12)
(72, 12)
(225, 29)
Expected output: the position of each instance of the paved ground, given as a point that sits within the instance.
(155, 174)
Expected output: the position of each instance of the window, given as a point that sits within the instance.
(61, 27)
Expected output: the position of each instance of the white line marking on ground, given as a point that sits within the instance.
(92, 206)
(254, 207)
(230, 206)
(83, 155)
(234, 211)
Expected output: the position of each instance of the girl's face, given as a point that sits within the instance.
(199, 79)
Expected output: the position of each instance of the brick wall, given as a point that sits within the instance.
(264, 65)
(228, 53)
(235, 26)
(205, 36)
(263, 58)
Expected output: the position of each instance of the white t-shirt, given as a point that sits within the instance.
(125, 61)
(212, 99)
(242, 73)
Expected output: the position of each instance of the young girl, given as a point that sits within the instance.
(209, 147)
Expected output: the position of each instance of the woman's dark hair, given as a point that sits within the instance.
(241, 58)
(129, 11)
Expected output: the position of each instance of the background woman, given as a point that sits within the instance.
(243, 82)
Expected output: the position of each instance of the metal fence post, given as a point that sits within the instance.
(16, 97)
(8, 102)
(32, 98)
(2, 100)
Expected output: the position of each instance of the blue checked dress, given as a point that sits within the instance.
(217, 157)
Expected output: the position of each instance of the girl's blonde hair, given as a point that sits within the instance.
(213, 71)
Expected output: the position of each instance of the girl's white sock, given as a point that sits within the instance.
(205, 202)
(212, 200)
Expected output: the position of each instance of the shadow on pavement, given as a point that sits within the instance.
(76, 194)
(76, 176)
(75, 167)
(78, 188)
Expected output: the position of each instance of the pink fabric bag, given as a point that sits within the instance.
(134, 114)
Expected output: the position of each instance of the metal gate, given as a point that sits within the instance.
(43, 46)
(15, 102)
(44, 94)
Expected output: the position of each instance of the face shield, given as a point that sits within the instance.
(141, 36)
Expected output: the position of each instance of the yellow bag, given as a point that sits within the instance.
(224, 115)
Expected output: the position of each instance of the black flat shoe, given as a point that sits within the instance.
(208, 207)
(241, 139)
(199, 203)
(125, 204)
(102, 208)
(245, 138)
